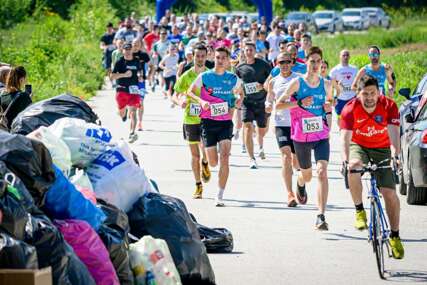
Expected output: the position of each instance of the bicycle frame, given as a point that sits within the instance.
(374, 197)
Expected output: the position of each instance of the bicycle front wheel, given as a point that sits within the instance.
(377, 237)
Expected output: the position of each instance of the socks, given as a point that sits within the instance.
(359, 207)
(394, 234)
(220, 193)
(198, 183)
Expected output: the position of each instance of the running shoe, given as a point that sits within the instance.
(206, 172)
(219, 202)
(253, 164)
(397, 248)
(199, 191)
(291, 200)
(261, 153)
(243, 148)
(133, 137)
(361, 220)
(139, 127)
(321, 223)
(301, 194)
(236, 135)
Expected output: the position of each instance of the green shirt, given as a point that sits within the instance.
(115, 56)
(182, 85)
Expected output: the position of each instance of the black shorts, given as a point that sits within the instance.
(283, 137)
(170, 82)
(303, 151)
(215, 131)
(254, 112)
(191, 133)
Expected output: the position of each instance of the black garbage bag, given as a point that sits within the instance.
(30, 160)
(16, 220)
(167, 218)
(216, 240)
(46, 112)
(54, 251)
(113, 233)
(16, 254)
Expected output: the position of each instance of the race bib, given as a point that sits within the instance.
(312, 125)
(219, 109)
(129, 38)
(251, 88)
(134, 89)
(195, 109)
(346, 88)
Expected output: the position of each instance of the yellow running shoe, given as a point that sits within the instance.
(360, 222)
(397, 248)
(199, 191)
(206, 172)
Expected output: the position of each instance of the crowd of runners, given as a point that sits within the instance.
(232, 78)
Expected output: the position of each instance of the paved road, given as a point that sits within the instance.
(273, 244)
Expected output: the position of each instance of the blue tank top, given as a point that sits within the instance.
(318, 93)
(379, 74)
(297, 68)
(221, 85)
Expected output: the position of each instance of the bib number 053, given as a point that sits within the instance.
(312, 125)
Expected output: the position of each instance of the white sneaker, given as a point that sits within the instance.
(219, 202)
(133, 137)
(243, 148)
(236, 135)
(262, 153)
(253, 164)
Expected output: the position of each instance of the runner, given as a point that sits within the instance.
(106, 44)
(381, 72)
(310, 120)
(306, 44)
(191, 126)
(160, 50)
(126, 71)
(253, 74)
(282, 119)
(342, 77)
(169, 65)
(370, 132)
(218, 88)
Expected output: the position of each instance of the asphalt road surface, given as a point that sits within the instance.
(274, 244)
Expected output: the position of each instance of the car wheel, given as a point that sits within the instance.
(402, 185)
(333, 30)
(415, 195)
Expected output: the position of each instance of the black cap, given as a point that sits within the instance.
(110, 25)
(127, 46)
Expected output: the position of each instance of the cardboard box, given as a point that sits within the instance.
(26, 276)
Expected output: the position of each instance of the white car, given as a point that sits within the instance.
(377, 17)
(355, 18)
(328, 21)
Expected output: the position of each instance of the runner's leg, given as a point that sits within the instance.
(323, 186)
(225, 148)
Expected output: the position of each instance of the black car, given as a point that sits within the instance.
(413, 119)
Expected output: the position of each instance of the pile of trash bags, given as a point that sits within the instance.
(64, 203)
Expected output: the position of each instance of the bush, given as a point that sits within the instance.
(13, 11)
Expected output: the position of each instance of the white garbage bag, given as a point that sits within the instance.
(86, 141)
(117, 179)
(82, 183)
(58, 149)
(153, 255)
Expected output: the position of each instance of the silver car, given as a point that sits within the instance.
(355, 18)
(377, 17)
(328, 21)
(301, 17)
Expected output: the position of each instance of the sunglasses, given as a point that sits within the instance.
(373, 54)
(285, 62)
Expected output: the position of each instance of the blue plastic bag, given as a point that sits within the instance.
(64, 201)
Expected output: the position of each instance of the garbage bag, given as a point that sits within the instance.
(64, 201)
(82, 183)
(16, 254)
(59, 151)
(113, 233)
(153, 255)
(46, 112)
(86, 141)
(167, 218)
(116, 178)
(30, 160)
(53, 250)
(90, 249)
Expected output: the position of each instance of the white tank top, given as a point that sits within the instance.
(282, 118)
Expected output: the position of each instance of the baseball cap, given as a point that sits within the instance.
(127, 46)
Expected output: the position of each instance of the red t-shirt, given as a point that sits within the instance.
(150, 39)
(370, 130)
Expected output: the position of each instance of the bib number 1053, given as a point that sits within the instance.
(312, 125)
(219, 109)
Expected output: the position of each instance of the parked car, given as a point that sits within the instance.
(355, 18)
(328, 21)
(301, 17)
(413, 119)
(377, 17)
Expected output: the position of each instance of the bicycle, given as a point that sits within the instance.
(379, 230)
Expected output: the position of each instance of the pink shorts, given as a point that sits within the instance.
(125, 99)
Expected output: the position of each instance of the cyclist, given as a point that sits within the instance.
(253, 73)
(191, 126)
(370, 132)
(311, 119)
(282, 118)
(342, 77)
(381, 72)
(218, 88)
